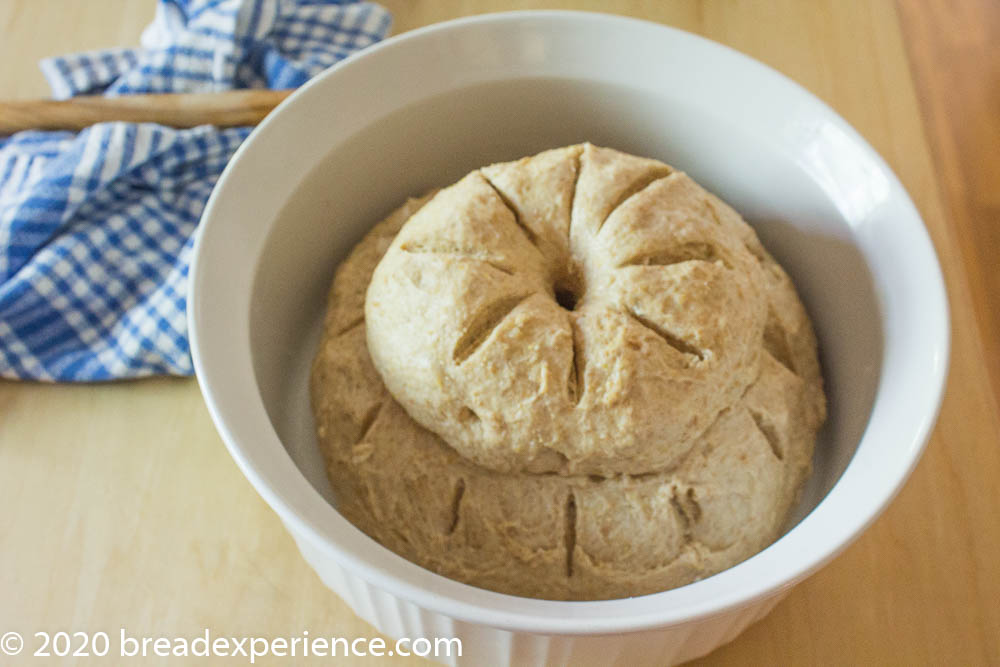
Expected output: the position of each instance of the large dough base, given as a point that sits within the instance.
(555, 536)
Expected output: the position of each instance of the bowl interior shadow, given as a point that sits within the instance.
(436, 141)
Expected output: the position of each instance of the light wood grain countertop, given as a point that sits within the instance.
(120, 507)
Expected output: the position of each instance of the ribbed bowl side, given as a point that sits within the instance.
(484, 645)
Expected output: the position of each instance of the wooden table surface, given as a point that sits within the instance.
(121, 507)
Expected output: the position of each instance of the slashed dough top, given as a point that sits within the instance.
(582, 311)
(578, 536)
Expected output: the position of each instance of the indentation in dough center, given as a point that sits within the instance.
(566, 298)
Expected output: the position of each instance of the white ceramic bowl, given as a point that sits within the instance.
(422, 109)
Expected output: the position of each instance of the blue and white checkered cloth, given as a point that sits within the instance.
(96, 228)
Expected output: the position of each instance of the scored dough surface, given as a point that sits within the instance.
(654, 432)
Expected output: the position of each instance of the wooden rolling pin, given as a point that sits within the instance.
(225, 109)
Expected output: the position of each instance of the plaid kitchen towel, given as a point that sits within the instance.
(96, 228)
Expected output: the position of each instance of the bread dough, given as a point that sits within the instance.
(575, 376)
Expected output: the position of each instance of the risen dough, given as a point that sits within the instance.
(653, 432)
